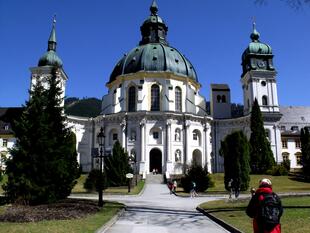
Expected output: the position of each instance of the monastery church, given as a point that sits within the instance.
(155, 110)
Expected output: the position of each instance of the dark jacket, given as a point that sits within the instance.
(253, 208)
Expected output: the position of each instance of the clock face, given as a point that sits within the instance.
(261, 64)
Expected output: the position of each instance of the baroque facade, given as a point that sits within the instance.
(153, 106)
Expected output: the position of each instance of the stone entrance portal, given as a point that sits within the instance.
(156, 160)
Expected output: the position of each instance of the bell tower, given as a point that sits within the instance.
(259, 82)
(259, 76)
(50, 64)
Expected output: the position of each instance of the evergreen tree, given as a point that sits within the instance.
(196, 173)
(236, 149)
(117, 166)
(261, 156)
(43, 165)
(305, 150)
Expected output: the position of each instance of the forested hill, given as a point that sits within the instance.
(86, 107)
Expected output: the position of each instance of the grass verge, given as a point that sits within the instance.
(79, 188)
(83, 225)
(295, 220)
(280, 183)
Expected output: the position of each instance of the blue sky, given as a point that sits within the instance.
(93, 35)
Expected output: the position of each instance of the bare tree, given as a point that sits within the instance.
(295, 4)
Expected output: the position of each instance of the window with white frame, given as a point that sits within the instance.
(155, 135)
(132, 99)
(298, 158)
(4, 142)
(297, 143)
(285, 156)
(284, 143)
(178, 99)
(155, 104)
(264, 100)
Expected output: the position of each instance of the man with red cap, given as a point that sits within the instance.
(265, 208)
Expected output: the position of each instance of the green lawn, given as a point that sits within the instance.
(293, 220)
(280, 183)
(83, 225)
(79, 189)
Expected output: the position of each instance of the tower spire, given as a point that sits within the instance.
(255, 34)
(154, 8)
(52, 39)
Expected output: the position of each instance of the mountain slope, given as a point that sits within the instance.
(86, 107)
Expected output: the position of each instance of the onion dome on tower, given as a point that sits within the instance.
(50, 58)
(258, 55)
(154, 53)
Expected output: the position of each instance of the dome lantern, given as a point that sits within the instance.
(153, 29)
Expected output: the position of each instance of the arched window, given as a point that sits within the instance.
(155, 98)
(264, 100)
(298, 158)
(177, 155)
(131, 99)
(218, 99)
(196, 138)
(178, 99)
(177, 135)
(285, 156)
(223, 99)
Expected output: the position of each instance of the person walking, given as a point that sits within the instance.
(193, 190)
(170, 186)
(265, 208)
(175, 184)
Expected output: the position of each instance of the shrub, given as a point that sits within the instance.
(278, 170)
(287, 164)
(200, 176)
(95, 180)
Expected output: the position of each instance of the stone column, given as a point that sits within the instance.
(142, 140)
(123, 131)
(206, 151)
(188, 139)
(168, 135)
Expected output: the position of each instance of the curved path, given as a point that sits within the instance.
(155, 210)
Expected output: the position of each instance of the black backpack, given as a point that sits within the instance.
(270, 210)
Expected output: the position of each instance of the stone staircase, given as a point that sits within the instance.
(154, 179)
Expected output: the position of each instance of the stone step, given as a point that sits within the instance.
(154, 179)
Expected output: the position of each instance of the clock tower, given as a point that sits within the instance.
(259, 76)
(259, 82)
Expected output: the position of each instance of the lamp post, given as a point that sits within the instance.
(132, 160)
(101, 140)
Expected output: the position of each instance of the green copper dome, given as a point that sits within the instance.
(153, 53)
(50, 58)
(256, 47)
(257, 56)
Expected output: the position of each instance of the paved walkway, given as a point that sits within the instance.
(155, 210)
